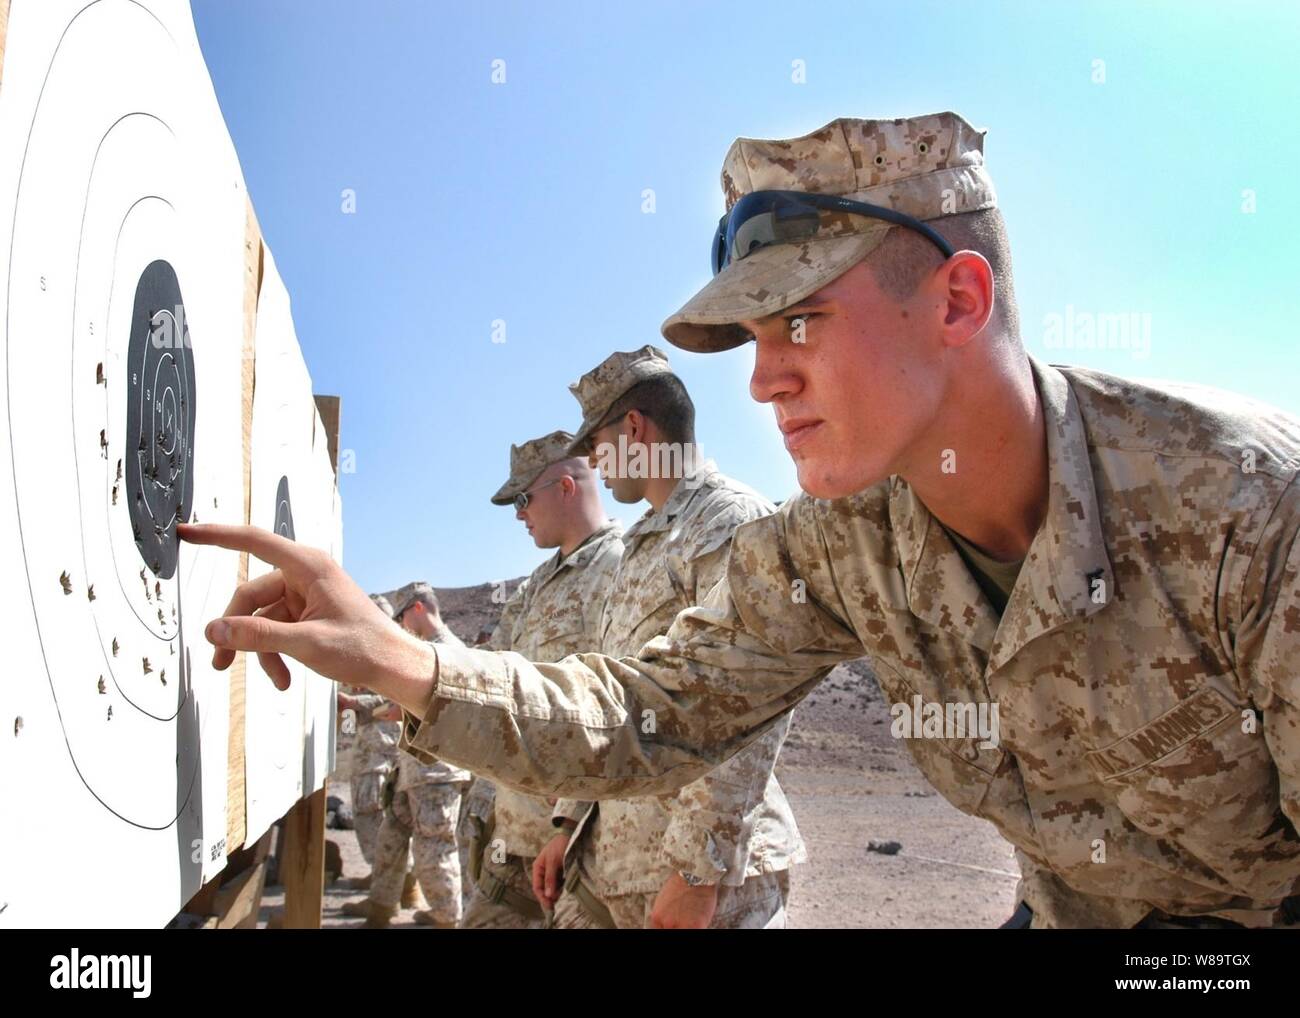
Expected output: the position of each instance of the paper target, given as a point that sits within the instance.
(120, 414)
(283, 523)
(281, 471)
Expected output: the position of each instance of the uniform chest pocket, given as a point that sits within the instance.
(640, 610)
(1199, 761)
(561, 632)
(962, 760)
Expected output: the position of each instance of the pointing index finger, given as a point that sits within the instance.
(286, 555)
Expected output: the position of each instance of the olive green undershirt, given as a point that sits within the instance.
(996, 579)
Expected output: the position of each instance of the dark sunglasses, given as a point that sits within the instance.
(761, 218)
(521, 500)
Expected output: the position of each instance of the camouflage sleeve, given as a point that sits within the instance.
(707, 569)
(599, 577)
(480, 799)
(594, 727)
(710, 822)
(1268, 643)
(570, 809)
(709, 826)
(501, 637)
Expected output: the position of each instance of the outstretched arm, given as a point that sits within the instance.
(584, 727)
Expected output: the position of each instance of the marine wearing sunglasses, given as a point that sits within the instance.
(762, 218)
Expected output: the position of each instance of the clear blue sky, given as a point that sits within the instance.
(523, 202)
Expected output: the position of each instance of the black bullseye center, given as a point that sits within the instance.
(283, 510)
(159, 418)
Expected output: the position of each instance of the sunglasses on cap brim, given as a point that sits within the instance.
(762, 218)
(521, 500)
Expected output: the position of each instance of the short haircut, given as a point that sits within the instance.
(663, 399)
(903, 259)
(427, 598)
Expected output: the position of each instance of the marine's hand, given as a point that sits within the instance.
(680, 906)
(309, 608)
(548, 871)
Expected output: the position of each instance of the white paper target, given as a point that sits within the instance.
(123, 287)
(320, 732)
(289, 744)
(281, 468)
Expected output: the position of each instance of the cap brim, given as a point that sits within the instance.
(507, 492)
(578, 446)
(762, 284)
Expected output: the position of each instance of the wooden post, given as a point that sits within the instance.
(328, 407)
(4, 33)
(302, 862)
(236, 765)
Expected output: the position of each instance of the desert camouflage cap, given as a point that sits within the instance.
(926, 167)
(527, 462)
(403, 597)
(598, 390)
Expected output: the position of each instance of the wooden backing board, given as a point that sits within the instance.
(4, 31)
(328, 408)
(236, 794)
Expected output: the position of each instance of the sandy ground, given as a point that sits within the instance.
(849, 783)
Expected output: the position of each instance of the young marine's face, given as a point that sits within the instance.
(612, 468)
(417, 619)
(544, 515)
(854, 390)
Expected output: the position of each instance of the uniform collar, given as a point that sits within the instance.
(1066, 574)
(704, 475)
(580, 555)
(588, 549)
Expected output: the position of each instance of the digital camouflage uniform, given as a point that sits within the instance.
(374, 757)
(731, 827)
(421, 820)
(1146, 667)
(371, 757)
(554, 612)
